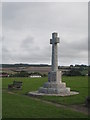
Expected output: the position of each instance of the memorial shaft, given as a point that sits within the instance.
(54, 42)
(54, 58)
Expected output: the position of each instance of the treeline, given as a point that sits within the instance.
(23, 65)
(26, 74)
(78, 71)
(38, 65)
(74, 72)
(89, 71)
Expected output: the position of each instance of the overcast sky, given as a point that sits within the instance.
(27, 29)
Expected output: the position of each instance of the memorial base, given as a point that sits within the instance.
(36, 93)
(54, 88)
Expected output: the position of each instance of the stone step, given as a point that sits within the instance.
(64, 91)
(54, 85)
(54, 90)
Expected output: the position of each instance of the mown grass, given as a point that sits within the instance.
(29, 84)
(79, 84)
(16, 106)
(19, 106)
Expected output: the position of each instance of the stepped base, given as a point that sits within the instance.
(54, 85)
(36, 93)
(54, 88)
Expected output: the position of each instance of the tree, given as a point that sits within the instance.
(21, 74)
(73, 72)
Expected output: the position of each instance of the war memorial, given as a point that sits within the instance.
(54, 86)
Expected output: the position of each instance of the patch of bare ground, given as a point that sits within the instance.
(82, 108)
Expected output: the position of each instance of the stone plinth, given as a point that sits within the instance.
(54, 84)
(54, 90)
(36, 93)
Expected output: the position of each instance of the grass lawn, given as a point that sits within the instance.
(79, 84)
(19, 106)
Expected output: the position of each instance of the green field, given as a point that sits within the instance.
(17, 105)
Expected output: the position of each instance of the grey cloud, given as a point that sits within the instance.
(79, 44)
(6, 56)
(64, 14)
(28, 45)
(27, 28)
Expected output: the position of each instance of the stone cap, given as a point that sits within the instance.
(54, 35)
(55, 39)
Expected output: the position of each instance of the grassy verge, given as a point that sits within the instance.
(79, 84)
(17, 106)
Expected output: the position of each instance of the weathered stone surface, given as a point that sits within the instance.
(54, 86)
(54, 76)
(54, 90)
(36, 93)
(54, 42)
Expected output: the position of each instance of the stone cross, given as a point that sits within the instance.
(54, 41)
(54, 86)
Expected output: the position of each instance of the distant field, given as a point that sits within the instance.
(17, 105)
(43, 70)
